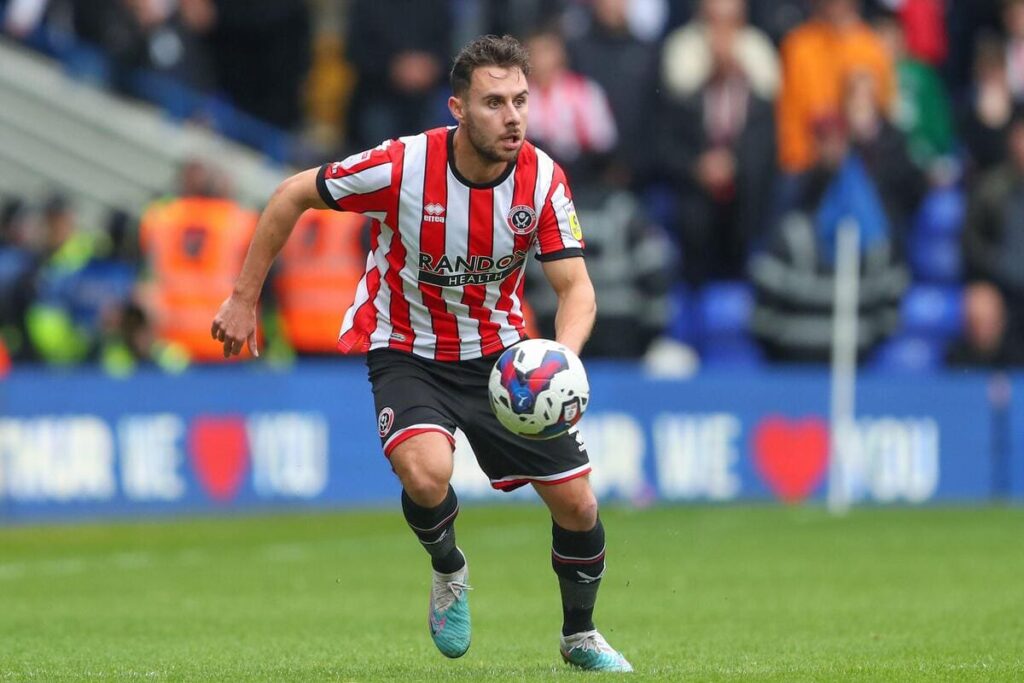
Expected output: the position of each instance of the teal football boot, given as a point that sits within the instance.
(589, 650)
(449, 612)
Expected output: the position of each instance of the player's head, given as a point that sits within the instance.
(490, 95)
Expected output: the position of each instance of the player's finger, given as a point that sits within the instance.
(213, 328)
(251, 341)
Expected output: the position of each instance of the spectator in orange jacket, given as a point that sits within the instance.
(817, 57)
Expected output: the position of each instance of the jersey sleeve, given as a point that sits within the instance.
(559, 234)
(362, 183)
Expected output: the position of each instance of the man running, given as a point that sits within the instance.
(455, 213)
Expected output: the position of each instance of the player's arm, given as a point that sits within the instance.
(235, 322)
(577, 305)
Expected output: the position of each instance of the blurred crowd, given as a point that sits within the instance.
(715, 148)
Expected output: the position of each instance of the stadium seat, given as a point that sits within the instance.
(932, 311)
(908, 354)
(722, 316)
(935, 258)
(724, 309)
(680, 317)
(941, 213)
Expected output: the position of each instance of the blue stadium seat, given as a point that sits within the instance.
(935, 258)
(941, 213)
(680, 321)
(932, 311)
(722, 315)
(908, 354)
(724, 309)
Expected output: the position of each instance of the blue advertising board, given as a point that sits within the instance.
(81, 444)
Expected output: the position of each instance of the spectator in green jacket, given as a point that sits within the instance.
(923, 111)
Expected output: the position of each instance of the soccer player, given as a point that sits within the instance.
(455, 213)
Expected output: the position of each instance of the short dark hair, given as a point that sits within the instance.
(504, 51)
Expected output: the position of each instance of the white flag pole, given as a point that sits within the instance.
(844, 363)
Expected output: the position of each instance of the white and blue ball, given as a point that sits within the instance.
(539, 389)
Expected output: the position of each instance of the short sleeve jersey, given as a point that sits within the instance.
(444, 276)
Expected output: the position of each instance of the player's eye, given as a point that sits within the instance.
(520, 101)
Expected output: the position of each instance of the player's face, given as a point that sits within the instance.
(494, 111)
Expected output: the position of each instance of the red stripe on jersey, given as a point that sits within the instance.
(481, 243)
(522, 195)
(364, 322)
(432, 242)
(362, 203)
(401, 332)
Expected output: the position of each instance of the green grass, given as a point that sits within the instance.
(691, 593)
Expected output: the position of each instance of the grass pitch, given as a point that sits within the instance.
(703, 594)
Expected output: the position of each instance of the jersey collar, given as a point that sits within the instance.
(468, 183)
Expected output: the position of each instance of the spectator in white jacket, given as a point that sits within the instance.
(689, 51)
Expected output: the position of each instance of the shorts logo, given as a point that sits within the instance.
(385, 421)
(522, 219)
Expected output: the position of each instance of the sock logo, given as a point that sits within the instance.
(587, 578)
(385, 421)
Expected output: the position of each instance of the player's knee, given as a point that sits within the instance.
(424, 471)
(579, 514)
(425, 488)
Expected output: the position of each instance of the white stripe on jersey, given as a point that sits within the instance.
(545, 172)
(410, 216)
(456, 243)
(362, 295)
(382, 334)
(560, 203)
(364, 182)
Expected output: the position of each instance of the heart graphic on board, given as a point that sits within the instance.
(791, 455)
(219, 451)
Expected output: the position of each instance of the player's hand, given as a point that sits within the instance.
(235, 324)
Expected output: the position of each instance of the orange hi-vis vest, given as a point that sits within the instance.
(195, 247)
(316, 278)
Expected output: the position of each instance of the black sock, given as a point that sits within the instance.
(578, 559)
(435, 527)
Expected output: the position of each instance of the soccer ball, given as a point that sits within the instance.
(538, 389)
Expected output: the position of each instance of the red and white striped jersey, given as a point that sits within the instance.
(444, 277)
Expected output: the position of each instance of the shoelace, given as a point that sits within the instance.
(595, 642)
(458, 588)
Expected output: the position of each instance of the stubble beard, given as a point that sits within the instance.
(488, 152)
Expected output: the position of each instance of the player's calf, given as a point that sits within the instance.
(578, 559)
(448, 617)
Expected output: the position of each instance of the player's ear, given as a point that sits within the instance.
(455, 107)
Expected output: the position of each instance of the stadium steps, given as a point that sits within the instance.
(104, 151)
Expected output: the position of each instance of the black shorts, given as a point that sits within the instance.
(414, 395)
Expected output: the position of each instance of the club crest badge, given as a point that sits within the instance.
(385, 421)
(522, 219)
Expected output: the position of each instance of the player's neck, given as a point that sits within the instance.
(470, 165)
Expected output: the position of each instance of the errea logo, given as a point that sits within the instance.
(433, 213)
